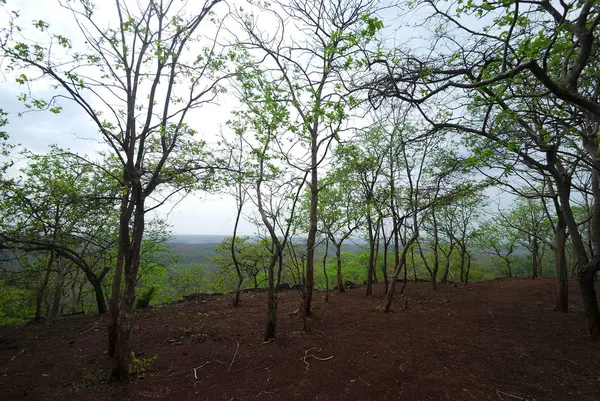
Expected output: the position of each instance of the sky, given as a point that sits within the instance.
(199, 213)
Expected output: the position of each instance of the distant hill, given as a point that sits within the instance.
(197, 239)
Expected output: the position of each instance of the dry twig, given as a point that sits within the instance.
(498, 392)
(307, 355)
(234, 355)
(201, 366)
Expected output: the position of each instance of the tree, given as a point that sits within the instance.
(339, 213)
(259, 128)
(533, 56)
(252, 256)
(137, 80)
(63, 206)
(313, 65)
(362, 162)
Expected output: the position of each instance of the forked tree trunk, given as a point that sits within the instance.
(390, 293)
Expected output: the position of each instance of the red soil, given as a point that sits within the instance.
(496, 340)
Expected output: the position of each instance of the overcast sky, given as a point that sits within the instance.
(198, 213)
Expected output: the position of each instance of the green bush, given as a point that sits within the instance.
(144, 298)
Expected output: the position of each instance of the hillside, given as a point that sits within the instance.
(495, 340)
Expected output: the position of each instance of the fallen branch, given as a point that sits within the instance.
(451, 311)
(20, 353)
(307, 355)
(234, 355)
(498, 392)
(201, 366)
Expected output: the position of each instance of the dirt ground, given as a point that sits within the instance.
(497, 340)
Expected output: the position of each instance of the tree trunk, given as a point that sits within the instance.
(42, 289)
(338, 256)
(587, 285)
(562, 284)
(325, 270)
(376, 253)
(390, 293)
(59, 286)
(122, 357)
(99, 293)
(468, 270)
(312, 232)
(74, 295)
(384, 267)
(462, 265)
(587, 270)
(436, 249)
(122, 250)
(534, 260)
(271, 328)
(371, 255)
(412, 257)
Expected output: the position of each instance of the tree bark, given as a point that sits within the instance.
(122, 357)
(122, 250)
(312, 232)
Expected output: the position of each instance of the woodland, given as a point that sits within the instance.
(377, 147)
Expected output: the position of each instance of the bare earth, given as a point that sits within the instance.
(497, 340)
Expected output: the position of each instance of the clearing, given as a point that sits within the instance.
(495, 340)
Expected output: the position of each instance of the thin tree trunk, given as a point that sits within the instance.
(562, 283)
(468, 269)
(42, 289)
(587, 269)
(376, 257)
(338, 256)
(384, 267)
(122, 357)
(390, 294)
(236, 264)
(371, 255)
(99, 293)
(122, 250)
(412, 257)
(325, 270)
(534, 260)
(312, 232)
(59, 286)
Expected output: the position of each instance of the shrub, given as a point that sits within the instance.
(145, 297)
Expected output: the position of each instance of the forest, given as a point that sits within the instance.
(413, 152)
